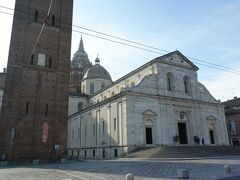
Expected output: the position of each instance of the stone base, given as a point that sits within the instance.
(182, 174)
(129, 177)
(227, 169)
(36, 162)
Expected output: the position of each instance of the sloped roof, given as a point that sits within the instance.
(187, 61)
(232, 103)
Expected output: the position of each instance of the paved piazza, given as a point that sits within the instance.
(117, 169)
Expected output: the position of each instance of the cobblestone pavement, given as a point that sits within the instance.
(147, 169)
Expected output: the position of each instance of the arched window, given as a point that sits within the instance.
(80, 106)
(121, 90)
(186, 82)
(105, 97)
(103, 85)
(91, 88)
(170, 82)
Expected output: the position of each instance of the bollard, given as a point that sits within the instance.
(129, 177)
(183, 174)
(4, 163)
(227, 168)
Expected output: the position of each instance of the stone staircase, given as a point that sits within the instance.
(184, 152)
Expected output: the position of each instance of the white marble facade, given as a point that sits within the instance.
(148, 107)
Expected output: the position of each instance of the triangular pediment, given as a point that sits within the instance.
(176, 58)
(211, 118)
(149, 112)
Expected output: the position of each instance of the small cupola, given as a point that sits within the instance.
(97, 60)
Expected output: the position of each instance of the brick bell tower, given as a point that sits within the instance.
(33, 122)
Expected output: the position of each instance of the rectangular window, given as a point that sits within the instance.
(85, 130)
(32, 59)
(85, 153)
(94, 131)
(27, 108)
(103, 128)
(115, 153)
(91, 88)
(78, 133)
(50, 62)
(53, 20)
(115, 124)
(41, 59)
(93, 153)
(46, 113)
(36, 16)
(72, 133)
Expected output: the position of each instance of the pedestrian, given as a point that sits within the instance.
(198, 141)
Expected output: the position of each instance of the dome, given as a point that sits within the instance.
(97, 71)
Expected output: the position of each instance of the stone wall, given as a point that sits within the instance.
(77, 102)
(165, 115)
(101, 128)
(97, 85)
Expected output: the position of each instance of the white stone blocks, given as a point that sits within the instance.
(227, 168)
(129, 177)
(182, 174)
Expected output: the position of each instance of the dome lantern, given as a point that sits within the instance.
(97, 60)
(97, 71)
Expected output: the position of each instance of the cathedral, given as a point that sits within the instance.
(159, 103)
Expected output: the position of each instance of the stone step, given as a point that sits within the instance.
(184, 151)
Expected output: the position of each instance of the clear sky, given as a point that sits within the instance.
(207, 30)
